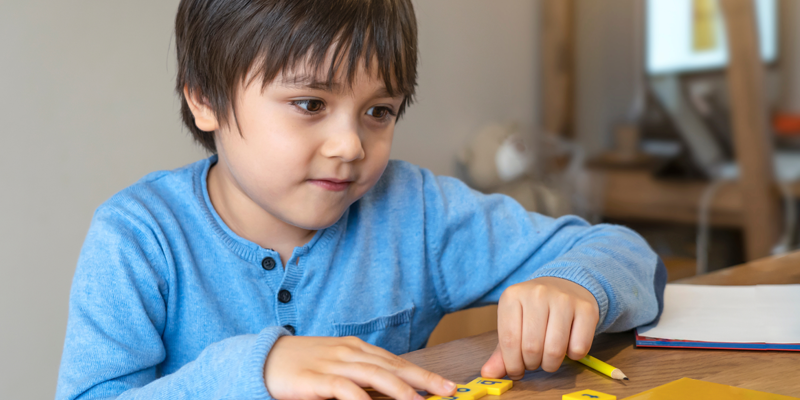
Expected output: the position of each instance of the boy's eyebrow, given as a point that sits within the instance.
(310, 82)
(383, 92)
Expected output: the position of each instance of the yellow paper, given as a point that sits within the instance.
(691, 389)
(704, 36)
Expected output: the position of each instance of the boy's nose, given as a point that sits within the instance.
(345, 145)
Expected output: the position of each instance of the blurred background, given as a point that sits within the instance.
(678, 118)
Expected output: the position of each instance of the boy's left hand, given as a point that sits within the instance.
(539, 322)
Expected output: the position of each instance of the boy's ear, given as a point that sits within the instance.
(204, 116)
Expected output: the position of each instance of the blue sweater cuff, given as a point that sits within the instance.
(254, 365)
(579, 275)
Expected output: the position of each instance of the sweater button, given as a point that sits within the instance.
(284, 296)
(268, 263)
(289, 328)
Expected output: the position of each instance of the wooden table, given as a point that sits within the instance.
(769, 371)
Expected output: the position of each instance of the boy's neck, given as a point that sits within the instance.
(248, 220)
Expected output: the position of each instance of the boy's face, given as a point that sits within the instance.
(304, 152)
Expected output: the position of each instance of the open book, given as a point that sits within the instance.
(760, 317)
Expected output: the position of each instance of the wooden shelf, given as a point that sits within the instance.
(636, 195)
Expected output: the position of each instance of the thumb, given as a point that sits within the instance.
(494, 366)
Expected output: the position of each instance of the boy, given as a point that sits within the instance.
(297, 261)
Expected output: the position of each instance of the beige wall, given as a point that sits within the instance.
(607, 68)
(478, 65)
(87, 108)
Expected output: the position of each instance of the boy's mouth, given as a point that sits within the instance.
(336, 185)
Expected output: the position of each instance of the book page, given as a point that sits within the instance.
(733, 314)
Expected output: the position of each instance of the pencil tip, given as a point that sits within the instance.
(626, 378)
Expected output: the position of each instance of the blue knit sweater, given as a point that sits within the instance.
(168, 303)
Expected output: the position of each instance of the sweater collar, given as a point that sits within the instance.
(246, 249)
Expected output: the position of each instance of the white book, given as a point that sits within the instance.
(729, 314)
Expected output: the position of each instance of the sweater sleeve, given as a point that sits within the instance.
(479, 244)
(117, 315)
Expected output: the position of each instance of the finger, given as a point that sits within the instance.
(337, 387)
(534, 327)
(407, 371)
(556, 339)
(494, 367)
(509, 331)
(371, 375)
(582, 334)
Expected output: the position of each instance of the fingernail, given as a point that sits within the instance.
(449, 385)
(418, 397)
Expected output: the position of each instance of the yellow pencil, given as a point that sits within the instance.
(602, 367)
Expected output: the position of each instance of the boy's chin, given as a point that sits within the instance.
(315, 222)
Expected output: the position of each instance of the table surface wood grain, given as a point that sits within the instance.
(768, 371)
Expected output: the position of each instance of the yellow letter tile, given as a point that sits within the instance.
(495, 387)
(588, 394)
(475, 391)
(458, 396)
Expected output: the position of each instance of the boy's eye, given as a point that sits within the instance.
(380, 112)
(310, 105)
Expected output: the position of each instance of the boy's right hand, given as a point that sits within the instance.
(319, 368)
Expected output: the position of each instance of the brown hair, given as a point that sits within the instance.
(219, 41)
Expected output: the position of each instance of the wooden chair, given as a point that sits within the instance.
(752, 138)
